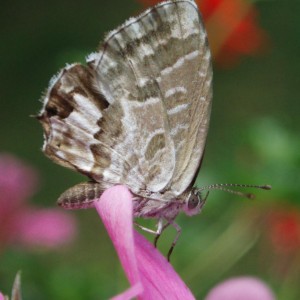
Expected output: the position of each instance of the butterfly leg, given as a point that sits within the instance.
(160, 229)
(146, 229)
(178, 230)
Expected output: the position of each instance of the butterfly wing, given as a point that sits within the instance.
(134, 115)
(159, 67)
(189, 94)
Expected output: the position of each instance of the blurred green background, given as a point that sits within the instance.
(253, 138)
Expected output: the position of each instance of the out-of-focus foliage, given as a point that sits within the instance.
(253, 138)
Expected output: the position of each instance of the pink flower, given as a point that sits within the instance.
(151, 276)
(245, 288)
(1, 297)
(149, 273)
(23, 223)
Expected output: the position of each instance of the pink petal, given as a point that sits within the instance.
(130, 293)
(1, 297)
(45, 228)
(159, 278)
(115, 210)
(246, 288)
(148, 272)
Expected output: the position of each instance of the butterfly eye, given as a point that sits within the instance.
(193, 201)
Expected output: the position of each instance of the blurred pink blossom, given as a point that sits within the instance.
(1, 297)
(22, 223)
(245, 288)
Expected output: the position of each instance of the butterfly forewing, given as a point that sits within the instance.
(138, 113)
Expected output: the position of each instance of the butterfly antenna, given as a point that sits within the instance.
(224, 187)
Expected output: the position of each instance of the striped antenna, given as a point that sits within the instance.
(224, 187)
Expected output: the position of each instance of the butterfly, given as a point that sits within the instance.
(136, 114)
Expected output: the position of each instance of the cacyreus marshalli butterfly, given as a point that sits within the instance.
(136, 114)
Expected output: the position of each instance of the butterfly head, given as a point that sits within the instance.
(194, 202)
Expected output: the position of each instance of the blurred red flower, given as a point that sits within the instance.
(284, 226)
(232, 28)
(22, 223)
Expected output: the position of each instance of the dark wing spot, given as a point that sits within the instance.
(51, 111)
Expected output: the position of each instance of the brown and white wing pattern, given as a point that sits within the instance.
(165, 54)
(186, 86)
(138, 113)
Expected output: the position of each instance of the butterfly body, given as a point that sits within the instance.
(137, 113)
